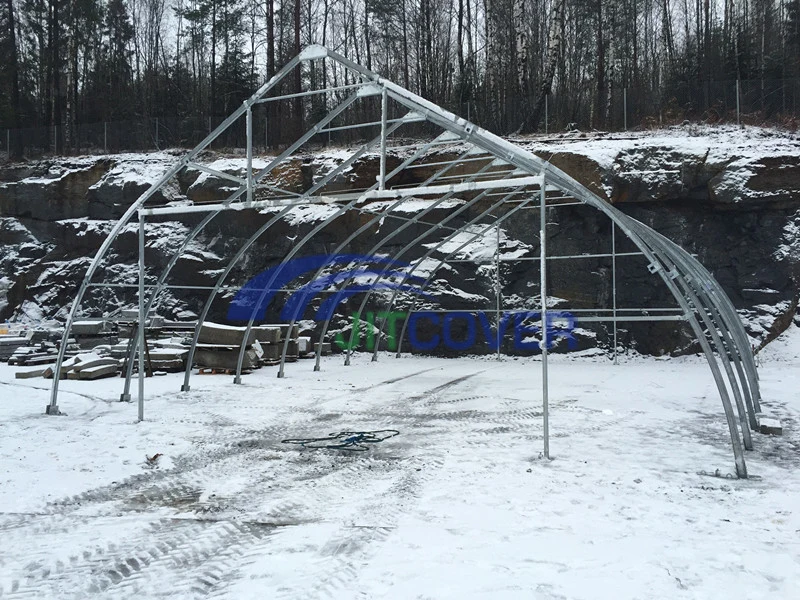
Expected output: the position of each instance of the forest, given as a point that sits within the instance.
(77, 69)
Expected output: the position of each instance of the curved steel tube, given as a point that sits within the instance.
(391, 234)
(442, 262)
(234, 196)
(413, 243)
(533, 164)
(220, 280)
(126, 217)
(310, 192)
(721, 324)
(721, 351)
(693, 287)
(377, 246)
(727, 312)
(359, 231)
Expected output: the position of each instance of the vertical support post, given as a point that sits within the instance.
(738, 105)
(266, 135)
(105, 137)
(783, 96)
(384, 110)
(8, 142)
(140, 329)
(156, 133)
(625, 108)
(545, 113)
(497, 291)
(614, 284)
(543, 290)
(249, 126)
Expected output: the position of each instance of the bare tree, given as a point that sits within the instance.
(556, 38)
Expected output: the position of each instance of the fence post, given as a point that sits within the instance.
(8, 143)
(266, 134)
(545, 113)
(738, 108)
(156, 133)
(105, 137)
(625, 108)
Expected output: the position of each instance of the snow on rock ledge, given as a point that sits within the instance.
(730, 196)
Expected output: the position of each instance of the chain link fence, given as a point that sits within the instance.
(773, 102)
(752, 102)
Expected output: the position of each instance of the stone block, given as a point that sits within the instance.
(770, 426)
(215, 333)
(30, 373)
(98, 372)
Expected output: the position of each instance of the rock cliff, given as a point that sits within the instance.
(731, 197)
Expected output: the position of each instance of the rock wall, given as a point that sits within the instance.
(730, 197)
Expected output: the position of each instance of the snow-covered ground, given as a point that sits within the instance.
(459, 505)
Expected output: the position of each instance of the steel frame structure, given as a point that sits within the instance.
(507, 179)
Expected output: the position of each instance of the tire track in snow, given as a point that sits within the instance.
(394, 380)
(196, 555)
(166, 557)
(337, 560)
(188, 472)
(336, 563)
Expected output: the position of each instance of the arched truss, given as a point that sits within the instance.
(506, 179)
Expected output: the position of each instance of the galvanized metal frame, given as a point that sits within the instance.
(376, 248)
(253, 238)
(366, 226)
(125, 396)
(309, 53)
(445, 260)
(413, 243)
(704, 305)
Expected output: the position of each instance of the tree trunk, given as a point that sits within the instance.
(298, 102)
(405, 46)
(600, 77)
(212, 101)
(273, 125)
(367, 39)
(553, 51)
(56, 60)
(16, 149)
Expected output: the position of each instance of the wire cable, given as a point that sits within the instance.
(354, 441)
